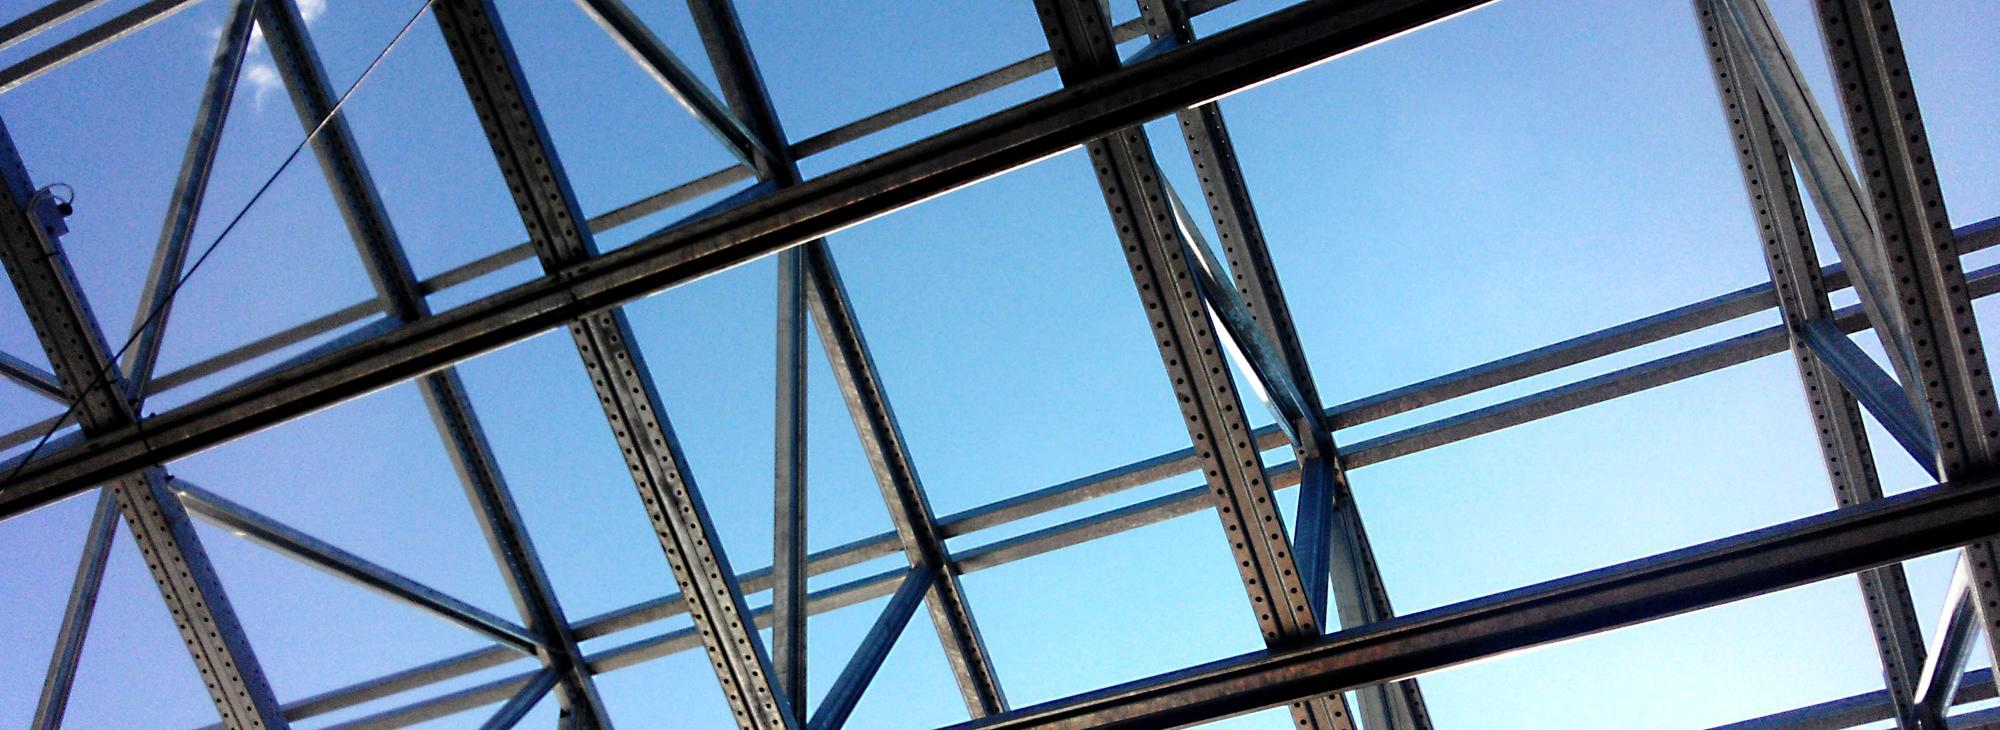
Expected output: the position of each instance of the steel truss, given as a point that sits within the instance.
(1899, 253)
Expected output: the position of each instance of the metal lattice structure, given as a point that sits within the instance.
(1336, 653)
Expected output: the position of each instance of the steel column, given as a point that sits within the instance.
(1802, 300)
(33, 255)
(632, 404)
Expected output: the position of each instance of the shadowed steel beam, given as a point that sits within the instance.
(444, 393)
(522, 702)
(1951, 383)
(493, 80)
(36, 380)
(857, 377)
(1817, 344)
(127, 23)
(243, 521)
(1874, 388)
(76, 614)
(666, 68)
(1140, 208)
(149, 325)
(41, 19)
(1950, 649)
(1857, 710)
(56, 307)
(1730, 569)
(867, 660)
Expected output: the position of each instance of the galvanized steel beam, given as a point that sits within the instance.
(401, 295)
(56, 684)
(855, 373)
(632, 404)
(1773, 195)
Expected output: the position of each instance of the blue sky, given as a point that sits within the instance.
(1531, 171)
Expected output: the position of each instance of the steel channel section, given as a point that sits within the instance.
(1857, 710)
(499, 93)
(56, 684)
(292, 543)
(62, 320)
(1191, 352)
(868, 657)
(1949, 650)
(856, 376)
(1734, 568)
(517, 707)
(444, 392)
(1876, 390)
(34, 379)
(1331, 539)
(184, 202)
(1886, 129)
(1773, 195)
(1256, 51)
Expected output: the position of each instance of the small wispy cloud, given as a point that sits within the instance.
(260, 74)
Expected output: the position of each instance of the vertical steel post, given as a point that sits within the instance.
(493, 80)
(61, 317)
(444, 393)
(1802, 300)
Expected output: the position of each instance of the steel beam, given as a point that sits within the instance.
(632, 404)
(1949, 649)
(163, 280)
(76, 614)
(36, 380)
(523, 701)
(660, 62)
(1858, 710)
(1141, 211)
(1282, 42)
(401, 295)
(1734, 568)
(42, 278)
(868, 657)
(251, 525)
(1818, 343)
(56, 56)
(855, 373)
(1875, 389)
(43, 18)
(1951, 383)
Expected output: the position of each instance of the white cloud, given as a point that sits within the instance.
(259, 73)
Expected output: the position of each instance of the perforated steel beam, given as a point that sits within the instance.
(855, 374)
(61, 676)
(401, 295)
(1951, 383)
(1141, 210)
(1773, 195)
(41, 275)
(499, 93)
